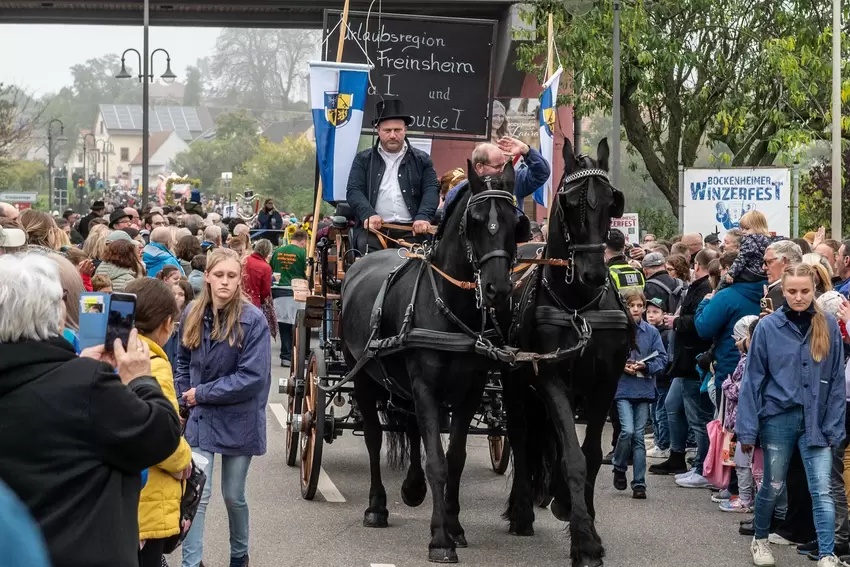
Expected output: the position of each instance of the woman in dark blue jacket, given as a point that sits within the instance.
(792, 394)
(223, 375)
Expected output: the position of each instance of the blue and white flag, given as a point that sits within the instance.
(548, 110)
(337, 97)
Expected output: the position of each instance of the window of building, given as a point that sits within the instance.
(101, 127)
(125, 154)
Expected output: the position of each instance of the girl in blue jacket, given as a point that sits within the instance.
(792, 394)
(635, 391)
(223, 375)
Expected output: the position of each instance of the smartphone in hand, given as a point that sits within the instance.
(121, 318)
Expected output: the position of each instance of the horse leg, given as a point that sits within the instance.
(598, 403)
(462, 414)
(585, 547)
(520, 511)
(441, 548)
(376, 514)
(414, 489)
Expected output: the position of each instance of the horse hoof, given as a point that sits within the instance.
(442, 555)
(460, 540)
(413, 494)
(559, 511)
(523, 531)
(375, 520)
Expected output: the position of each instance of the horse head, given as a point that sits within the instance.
(488, 229)
(584, 205)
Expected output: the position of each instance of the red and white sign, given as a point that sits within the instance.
(629, 225)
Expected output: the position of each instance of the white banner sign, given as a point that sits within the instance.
(629, 225)
(716, 199)
(19, 197)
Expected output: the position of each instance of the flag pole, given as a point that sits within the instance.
(343, 28)
(550, 42)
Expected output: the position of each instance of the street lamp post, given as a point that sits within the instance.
(145, 77)
(82, 190)
(837, 162)
(615, 110)
(107, 149)
(50, 157)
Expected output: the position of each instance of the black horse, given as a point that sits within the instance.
(552, 302)
(416, 381)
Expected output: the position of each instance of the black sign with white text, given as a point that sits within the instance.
(441, 68)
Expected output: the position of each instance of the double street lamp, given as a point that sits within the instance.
(51, 156)
(145, 77)
(86, 150)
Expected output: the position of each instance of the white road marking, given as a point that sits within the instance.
(328, 489)
(280, 413)
(382, 565)
(326, 486)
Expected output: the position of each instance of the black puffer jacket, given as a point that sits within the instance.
(74, 441)
(687, 344)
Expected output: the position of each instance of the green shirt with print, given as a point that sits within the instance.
(288, 263)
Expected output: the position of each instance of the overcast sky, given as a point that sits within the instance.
(39, 57)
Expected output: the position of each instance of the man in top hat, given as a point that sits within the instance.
(97, 210)
(392, 182)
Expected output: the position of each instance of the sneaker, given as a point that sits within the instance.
(685, 474)
(284, 363)
(639, 493)
(736, 505)
(693, 481)
(620, 482)
(762, 555)
(840, 549)
(830, 561)
(722, 496)
(746, 528)
(656, 453)
(777, 539)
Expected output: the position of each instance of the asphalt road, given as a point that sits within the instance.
(674, 527)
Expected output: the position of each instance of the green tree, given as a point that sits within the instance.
(235, 143)
(194, 88)
(697, 72)
(21, 175)
(816, 197)
(19, 117)
(284, 172)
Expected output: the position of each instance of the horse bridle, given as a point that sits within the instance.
(572, 247)
(490, 195)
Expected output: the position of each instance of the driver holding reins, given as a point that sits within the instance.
(392, 182)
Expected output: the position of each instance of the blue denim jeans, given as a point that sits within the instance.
(699, 411)
(659, 420)
(633, 416)
(678, 424)
(779, 434)
(234, 473)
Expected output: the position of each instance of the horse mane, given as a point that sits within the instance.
(461, 195)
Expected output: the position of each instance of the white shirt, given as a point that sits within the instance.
(390, 204)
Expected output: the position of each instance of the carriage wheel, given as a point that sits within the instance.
(312, 425)
(500, 453)
(300, 350)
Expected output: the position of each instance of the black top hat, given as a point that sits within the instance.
(391, 109)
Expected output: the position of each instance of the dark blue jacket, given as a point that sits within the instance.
(270, 221)
(527, 180)
(231, 387)
(715, 319)
(781, 374)
(643, 388)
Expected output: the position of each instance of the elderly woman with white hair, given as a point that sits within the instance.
(76, 434)
(158, 252)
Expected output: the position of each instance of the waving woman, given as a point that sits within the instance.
(223, 377)
(792, 395)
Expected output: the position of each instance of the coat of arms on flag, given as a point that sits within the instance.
(549, 118)
(338, 108)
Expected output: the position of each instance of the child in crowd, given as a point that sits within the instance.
(748, 266)
(102, 283)
(183, 295)
(658, 410)
(743, 502)
(635, 391)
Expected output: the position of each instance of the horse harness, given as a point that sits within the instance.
(489, 341)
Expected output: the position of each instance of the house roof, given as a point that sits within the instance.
(187, 121)
(156, 142)
(277, 131)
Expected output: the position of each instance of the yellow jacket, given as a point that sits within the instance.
(159, 503)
